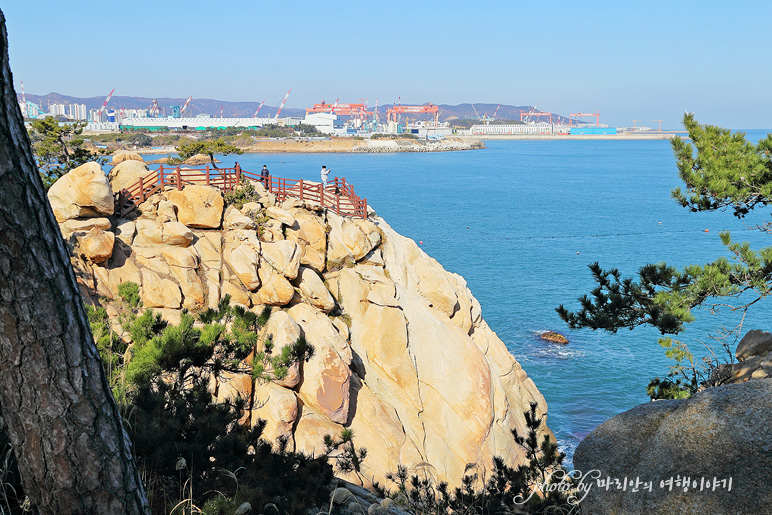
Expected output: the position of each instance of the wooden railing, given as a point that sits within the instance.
(338, 196)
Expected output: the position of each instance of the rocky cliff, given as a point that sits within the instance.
(402, 355)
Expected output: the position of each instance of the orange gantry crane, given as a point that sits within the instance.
(580, 115)
(423, 109)
(535, 115)
(340, 109)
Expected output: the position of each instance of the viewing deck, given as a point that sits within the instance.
(338, 196)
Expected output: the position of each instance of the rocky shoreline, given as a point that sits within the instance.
(403, 357)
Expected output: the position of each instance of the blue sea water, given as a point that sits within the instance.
(520, 221)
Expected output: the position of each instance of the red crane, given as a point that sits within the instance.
(258, 108)
(186, 105)
(406, 109)
(99, 113)
(281, 106)
(579, 115)
(535, 115)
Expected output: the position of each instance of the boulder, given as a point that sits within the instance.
(183, 264)
(313, 290)
(165, 212)
(327, 377)
(198, 206)
(83, 225)
(271, 231)
(283, 256)
(284, 331)
(200, 159)
(152, 234)
(96, 245)
(278, 407)
(124, 155)
(251, 208)
(717, 434)
(311, 234)
(238, 295)
(552, 336)
(281, 215)
(125, 231)
(241, 252)
(234, 219)
(81, 192)
(755, 343)
(158, 292)
(350, 239)
(275, 289)
(126, 173)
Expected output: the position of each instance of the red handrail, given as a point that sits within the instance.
(339, 196)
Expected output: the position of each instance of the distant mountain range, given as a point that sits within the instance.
(247, 109)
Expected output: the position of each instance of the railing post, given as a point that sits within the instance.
(179, 179)
(321, 194)
(238, 173)
(207, 175)
(302, 197)
(141, 189)
(161, 176)
(337, 200)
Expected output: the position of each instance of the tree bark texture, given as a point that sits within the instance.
(73, 453)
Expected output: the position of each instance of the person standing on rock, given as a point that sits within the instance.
(325, 173)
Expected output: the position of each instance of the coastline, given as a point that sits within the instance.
(621, 136)
(348, 145)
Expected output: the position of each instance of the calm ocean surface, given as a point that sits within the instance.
(520, 221)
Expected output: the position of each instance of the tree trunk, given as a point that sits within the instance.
(73, 453)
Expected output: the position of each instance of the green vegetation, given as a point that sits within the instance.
(721, 171)
(60, 148)
(129, 292)
(195, 452)
(209, 148)
(243, 193)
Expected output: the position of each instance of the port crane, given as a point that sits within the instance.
(535, 115)
(634, 122)
(187, 102)
(488, 119)
(476, 113)
(258, 108)
(101, 109)
(580, 115)
(407, 109)
(660, 125)
(281, 106)
(528, 114)
(154, 109)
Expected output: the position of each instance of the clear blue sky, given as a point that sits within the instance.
(628, 60)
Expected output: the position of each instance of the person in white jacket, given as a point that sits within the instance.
(325, 173)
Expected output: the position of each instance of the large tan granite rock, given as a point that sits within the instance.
(83, 191)
(718, 434)
(125, 155)
(198, 206)
(126, 173)
(350, 239)
(310, 233)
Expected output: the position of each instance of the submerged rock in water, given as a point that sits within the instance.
(554, 337)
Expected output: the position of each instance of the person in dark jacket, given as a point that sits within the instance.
(264, 174)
